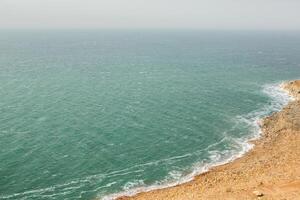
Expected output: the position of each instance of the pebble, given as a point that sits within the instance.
(258, 193)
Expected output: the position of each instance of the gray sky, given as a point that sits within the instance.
(196, 14)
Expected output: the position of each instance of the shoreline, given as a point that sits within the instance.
(246, 176)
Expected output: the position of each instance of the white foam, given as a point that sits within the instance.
(279, 96)
(279, 99)
(199, 168)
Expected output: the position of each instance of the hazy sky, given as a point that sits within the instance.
(196, 14)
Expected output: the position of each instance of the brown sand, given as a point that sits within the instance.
(270, 171)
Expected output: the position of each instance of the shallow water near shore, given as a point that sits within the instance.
(87, 114)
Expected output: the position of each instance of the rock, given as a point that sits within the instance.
(258, 193)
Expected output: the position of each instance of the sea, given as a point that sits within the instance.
(97, 114)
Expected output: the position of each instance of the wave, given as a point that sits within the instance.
(278, 99)
(238, 147)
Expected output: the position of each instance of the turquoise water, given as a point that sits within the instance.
(88, 114)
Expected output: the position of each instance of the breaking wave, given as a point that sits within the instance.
(239, 146)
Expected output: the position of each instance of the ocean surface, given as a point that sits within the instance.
(97, 114)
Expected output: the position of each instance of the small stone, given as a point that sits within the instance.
(258, 193)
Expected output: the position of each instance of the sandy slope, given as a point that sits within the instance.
(270, 171)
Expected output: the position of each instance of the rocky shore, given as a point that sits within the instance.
(271, 170)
